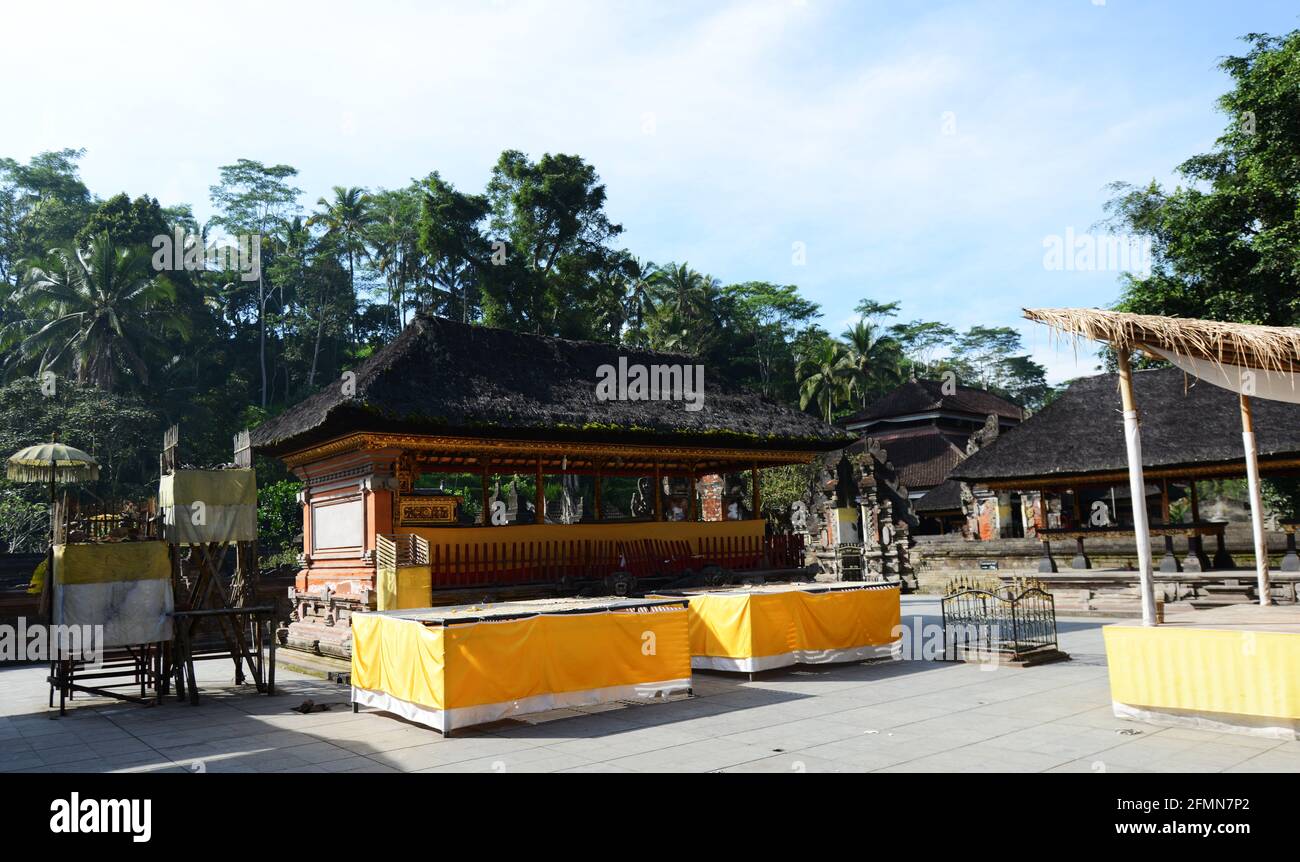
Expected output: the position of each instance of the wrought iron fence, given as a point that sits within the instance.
(1003, 620)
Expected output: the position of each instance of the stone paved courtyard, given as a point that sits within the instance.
(890, 717)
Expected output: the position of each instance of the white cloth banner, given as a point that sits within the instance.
(1254, 382)
(131, 612)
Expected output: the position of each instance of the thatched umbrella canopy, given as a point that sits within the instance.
(1264, 348)
(1251, 360)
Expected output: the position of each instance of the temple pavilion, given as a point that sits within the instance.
(490, 460)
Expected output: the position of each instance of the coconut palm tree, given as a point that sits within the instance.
(345, 219)
(99, 312)
(639, 303)
(825, 377)
(684, 301)
(876, 359)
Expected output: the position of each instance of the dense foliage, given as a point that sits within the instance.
(1226, 245)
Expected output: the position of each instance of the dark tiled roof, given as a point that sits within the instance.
(943, 497)
(1185, 422)
(927, 396)
(921, 457)
(443, 377)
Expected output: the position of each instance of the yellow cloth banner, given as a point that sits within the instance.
(467, 665)
(111, 562)
(235, 487)
(1254, 673)
(758, 624)
(403, 588)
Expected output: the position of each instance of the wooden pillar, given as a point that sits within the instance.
(487, 515)
(1169, 563)
(1080, 560)
(757, 491)
(1256, 501)
(659, 492)
(596, 503)
(1137, 487)
(539, 496)
(690, 495)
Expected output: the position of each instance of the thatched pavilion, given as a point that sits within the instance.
(491, 453)
(1234, 668)
(1074, 450)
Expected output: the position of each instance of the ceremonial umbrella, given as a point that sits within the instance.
(51, 462)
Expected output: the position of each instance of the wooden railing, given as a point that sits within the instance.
(403, 550)
(577, 561)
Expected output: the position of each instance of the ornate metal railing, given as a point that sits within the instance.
(1005, 621)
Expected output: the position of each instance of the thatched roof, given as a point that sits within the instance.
(928, 396)
(1274, 348)
(1189, 427)
(447, 378)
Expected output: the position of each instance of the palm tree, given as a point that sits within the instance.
(346, 219)
(825, 377)
(393, 237)
(876, 359)
(639, 302)
(98, 311)
(684, 301)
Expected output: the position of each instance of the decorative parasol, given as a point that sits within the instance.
(52, 462)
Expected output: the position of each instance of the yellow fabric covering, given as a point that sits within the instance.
(1251, 673)
(404, 588)
(791, 626)
(466, 673)
(111, 562)
(237, 487)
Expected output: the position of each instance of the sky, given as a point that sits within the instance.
(925, 152)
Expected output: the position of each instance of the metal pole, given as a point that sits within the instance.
(1256, 502)
(1137, 488)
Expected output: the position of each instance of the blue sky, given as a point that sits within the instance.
(919, 151)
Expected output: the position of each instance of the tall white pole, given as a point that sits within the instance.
(1137, 489)
(1256, 501)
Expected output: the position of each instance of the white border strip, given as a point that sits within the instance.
(754, 664)
(464, 716)
(1218, 722)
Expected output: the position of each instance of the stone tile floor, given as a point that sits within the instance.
(909, 716)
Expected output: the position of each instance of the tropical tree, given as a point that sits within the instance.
(457, 254)
(345, 219)
(98, 313)
(876, 359)
(825, 377)
(256, 199)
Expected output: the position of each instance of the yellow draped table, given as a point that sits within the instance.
(470, 664)
(1233, 669)
(765, 627)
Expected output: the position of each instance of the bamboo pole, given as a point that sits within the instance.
(1256, 502)
(1137, 488)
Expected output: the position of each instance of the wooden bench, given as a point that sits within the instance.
(1194, 561)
